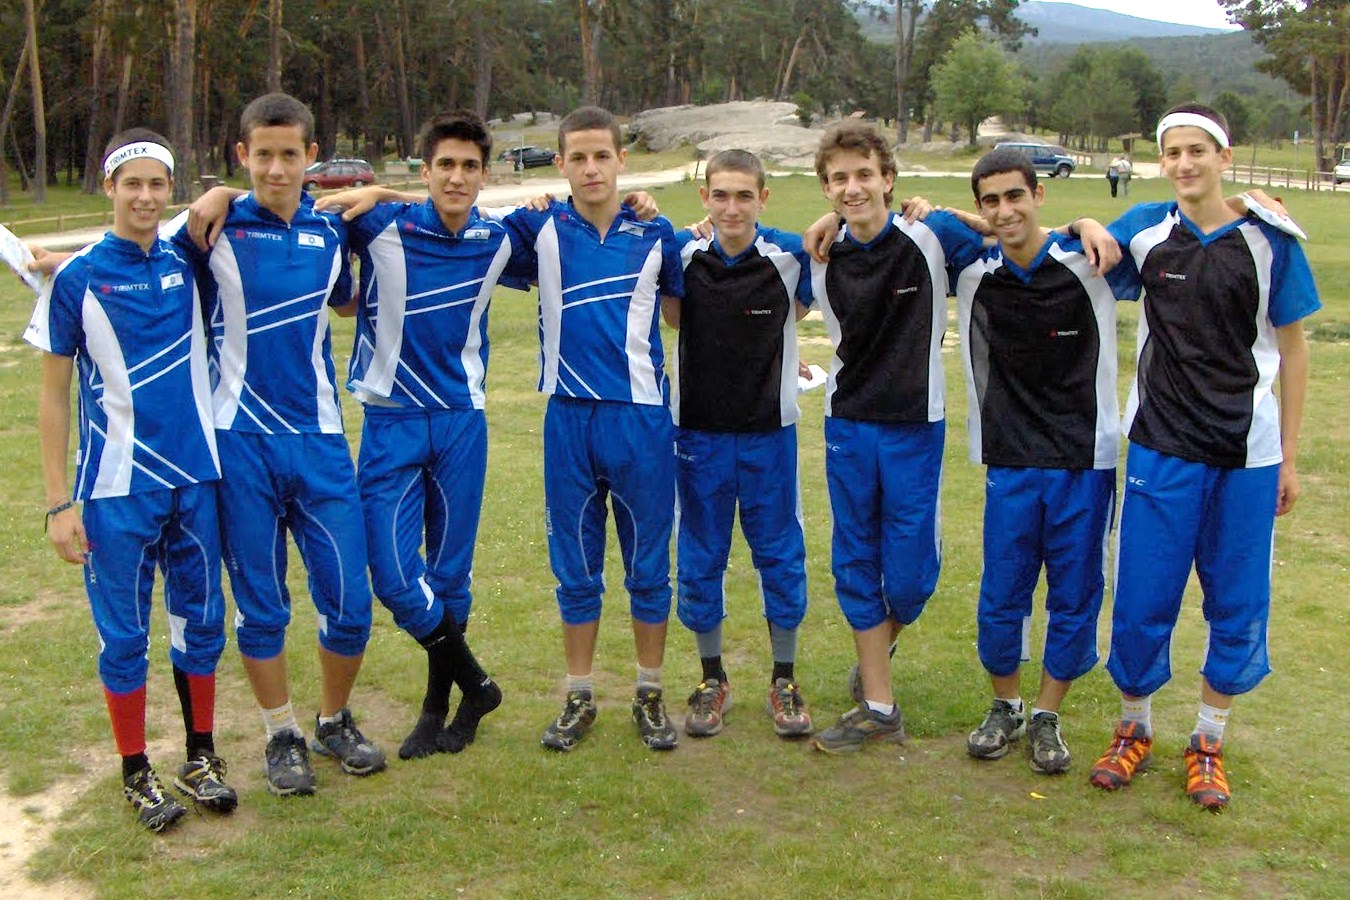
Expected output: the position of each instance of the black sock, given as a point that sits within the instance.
(133, 764)
(439, 645)
(781, 670)
(712, 669)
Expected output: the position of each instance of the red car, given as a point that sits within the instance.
(339, 173)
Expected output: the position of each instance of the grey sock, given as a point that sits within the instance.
(709, 642)
(784, 643)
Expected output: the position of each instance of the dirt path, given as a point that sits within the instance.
(26, 825)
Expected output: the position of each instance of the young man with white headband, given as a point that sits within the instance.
(1212, 455)
(126, 312)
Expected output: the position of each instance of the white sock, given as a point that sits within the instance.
(649, 677)
(1211, 721)
(885, 709)
(1036, 711)
(581, 683)
(1140, 711)
(330, 720)
(281, 719)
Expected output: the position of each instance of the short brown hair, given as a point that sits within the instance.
(460, 125)
(857, 137)
(276, 109)
(735, 161)
(589, 118)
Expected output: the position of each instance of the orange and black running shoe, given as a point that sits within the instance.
(1206, 783)
(1130, 752)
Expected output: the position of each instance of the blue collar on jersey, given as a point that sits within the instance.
(752, 250)
(1025, 274)
(428, 218)
(131, 249)
(248, 205)
(1212, 236)
(885, 230)
(626, 214)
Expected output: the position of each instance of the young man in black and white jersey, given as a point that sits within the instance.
(734, 399)
(1038, 345)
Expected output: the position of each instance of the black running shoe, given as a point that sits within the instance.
(203, 779)
(288, 770)
(654, 726)
(343, 741)
(156, 809)
(576, 718)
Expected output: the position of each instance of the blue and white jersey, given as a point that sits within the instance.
(600, 302)
(269, 286)
(735, 365)
(421, 323)
(132, 320)
(1207, 349)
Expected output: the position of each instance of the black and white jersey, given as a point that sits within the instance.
(885, 309)
(736, 366)
(1039, 351)
(1207, 348)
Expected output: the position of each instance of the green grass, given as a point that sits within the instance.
(743, 814)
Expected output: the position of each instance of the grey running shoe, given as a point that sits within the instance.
(858, 726)
(343, 741)
(576, 718)
(707, 703)
(788, 709)
(1049, 753)
(203, 779)
(156, 809)
(1001, 726)
(649, 712)
(288, 770)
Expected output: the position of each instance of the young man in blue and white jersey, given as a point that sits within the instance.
(125, 311)
(1212, 455)
(607, 432)
(419, 367)
(734, 401)
(273, 271)
(1038, 345)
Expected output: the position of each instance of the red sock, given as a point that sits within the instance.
(202, 689)
(127, 712)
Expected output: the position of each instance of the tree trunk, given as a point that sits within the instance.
(363, 97)
(274, 11)
(394, 40)
(904, 55)
(592, 32)
(93, 146)
(482, 70)
(182, 62)
(781, 93)
(14, 86)
(39, 107)
(123, 90)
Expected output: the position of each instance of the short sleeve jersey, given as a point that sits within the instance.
(268, 288)
(885, 309)
(1039, 350)
(599, 302)
(1207, 348)
(132, 321)
(421, 322)
(736, 364)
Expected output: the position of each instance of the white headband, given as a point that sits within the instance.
(1204, 123)
(138, 150)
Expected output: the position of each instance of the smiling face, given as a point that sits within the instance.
(591, 163)
(454, 176)
(1192, 161)
(276, 157)
(734, 200)
(139, 191)
(855, 184)
(1012, 209)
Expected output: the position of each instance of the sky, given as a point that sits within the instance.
(1187, 12)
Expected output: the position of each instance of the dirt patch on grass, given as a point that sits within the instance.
(46, 607)
(26, 826)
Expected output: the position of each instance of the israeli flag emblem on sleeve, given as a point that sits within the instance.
(307, 239)
(632, 228)
(477, 234)
(170, 280)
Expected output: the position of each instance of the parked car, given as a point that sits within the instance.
(1047, 159)
(1342, 171)
(527, 157)
(339, 173)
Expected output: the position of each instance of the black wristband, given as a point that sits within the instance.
(56, 511)
(1073, 229)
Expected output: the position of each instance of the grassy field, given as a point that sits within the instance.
(743, 814)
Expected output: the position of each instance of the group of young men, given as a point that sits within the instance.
(233, 316)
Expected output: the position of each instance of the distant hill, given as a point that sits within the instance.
(1065, 23)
